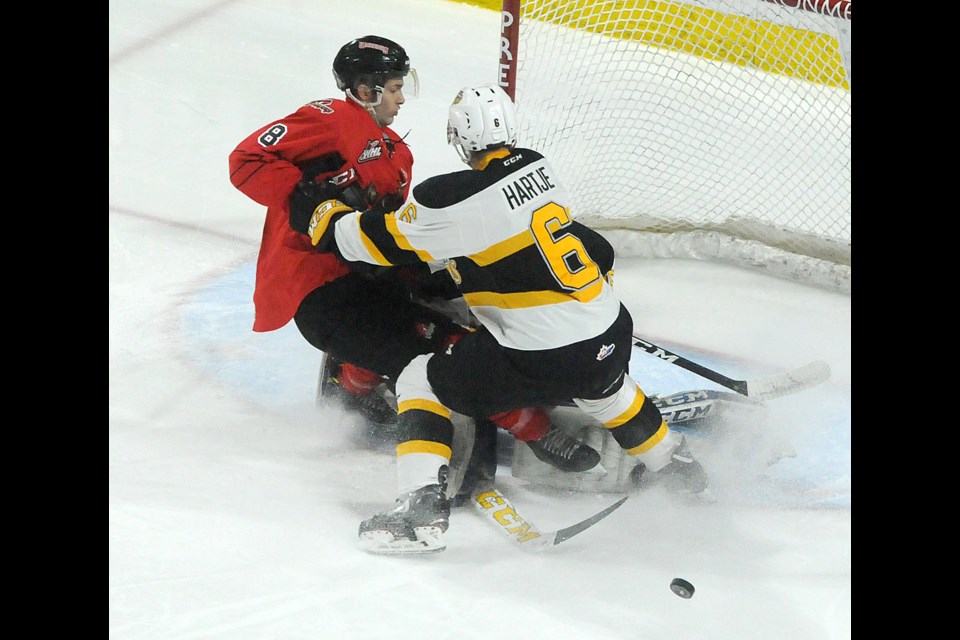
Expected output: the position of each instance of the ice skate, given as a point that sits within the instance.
(682, 475)
(415, 525)
(373, 406)
(564, 452)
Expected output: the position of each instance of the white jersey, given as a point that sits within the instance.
(531, 275)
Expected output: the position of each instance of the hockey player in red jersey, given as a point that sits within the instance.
(364, 319)
(552, 327)
(343, 148)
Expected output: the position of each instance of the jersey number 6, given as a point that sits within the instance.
(566, 256)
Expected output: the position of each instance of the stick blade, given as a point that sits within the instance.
(568, 532)
(497, 509)
(781, 384)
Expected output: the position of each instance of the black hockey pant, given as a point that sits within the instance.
(372, 322)
(479, 377)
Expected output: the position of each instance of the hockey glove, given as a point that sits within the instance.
(320, 228)
(304, 200)
(308, 195)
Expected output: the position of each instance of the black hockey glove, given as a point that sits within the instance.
(388, 203)
(308, 195)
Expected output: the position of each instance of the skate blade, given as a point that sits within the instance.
(429, 540)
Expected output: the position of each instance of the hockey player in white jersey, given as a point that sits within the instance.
(552, 327)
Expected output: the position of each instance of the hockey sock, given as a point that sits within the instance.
(526, 425)
(358, 381)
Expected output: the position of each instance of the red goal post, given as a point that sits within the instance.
(707, 129)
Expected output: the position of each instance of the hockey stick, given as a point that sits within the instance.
(774, 386)
(497, 508)
(691, 406)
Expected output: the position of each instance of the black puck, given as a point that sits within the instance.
(682, 588)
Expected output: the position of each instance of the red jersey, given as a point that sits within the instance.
(335, 136)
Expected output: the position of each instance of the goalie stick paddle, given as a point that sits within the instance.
(497, 508)
(774, 386)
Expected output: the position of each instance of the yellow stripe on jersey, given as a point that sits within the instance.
(530, 298)
(589, 293)
(401, 240)
(493, 155)
(650, 442)
(423, 446)
(503, 249)
(424, 405)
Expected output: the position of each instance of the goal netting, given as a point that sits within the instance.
(709, 129)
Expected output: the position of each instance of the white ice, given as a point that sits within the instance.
(234, 501)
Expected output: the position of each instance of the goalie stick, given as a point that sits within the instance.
(774, 386)
(497, 508)
(693, 406)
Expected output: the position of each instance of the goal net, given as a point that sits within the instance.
(708, 129)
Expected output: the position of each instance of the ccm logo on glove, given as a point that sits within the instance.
(325, 213)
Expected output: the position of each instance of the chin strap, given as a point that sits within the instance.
(369, 106)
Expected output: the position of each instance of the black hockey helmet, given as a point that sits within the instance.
(370, 60)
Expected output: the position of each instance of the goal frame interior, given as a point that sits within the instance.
(801, 239)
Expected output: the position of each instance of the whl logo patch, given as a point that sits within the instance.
(373, 151)
(606, 350)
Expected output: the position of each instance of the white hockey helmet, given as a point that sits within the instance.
(481, 118)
